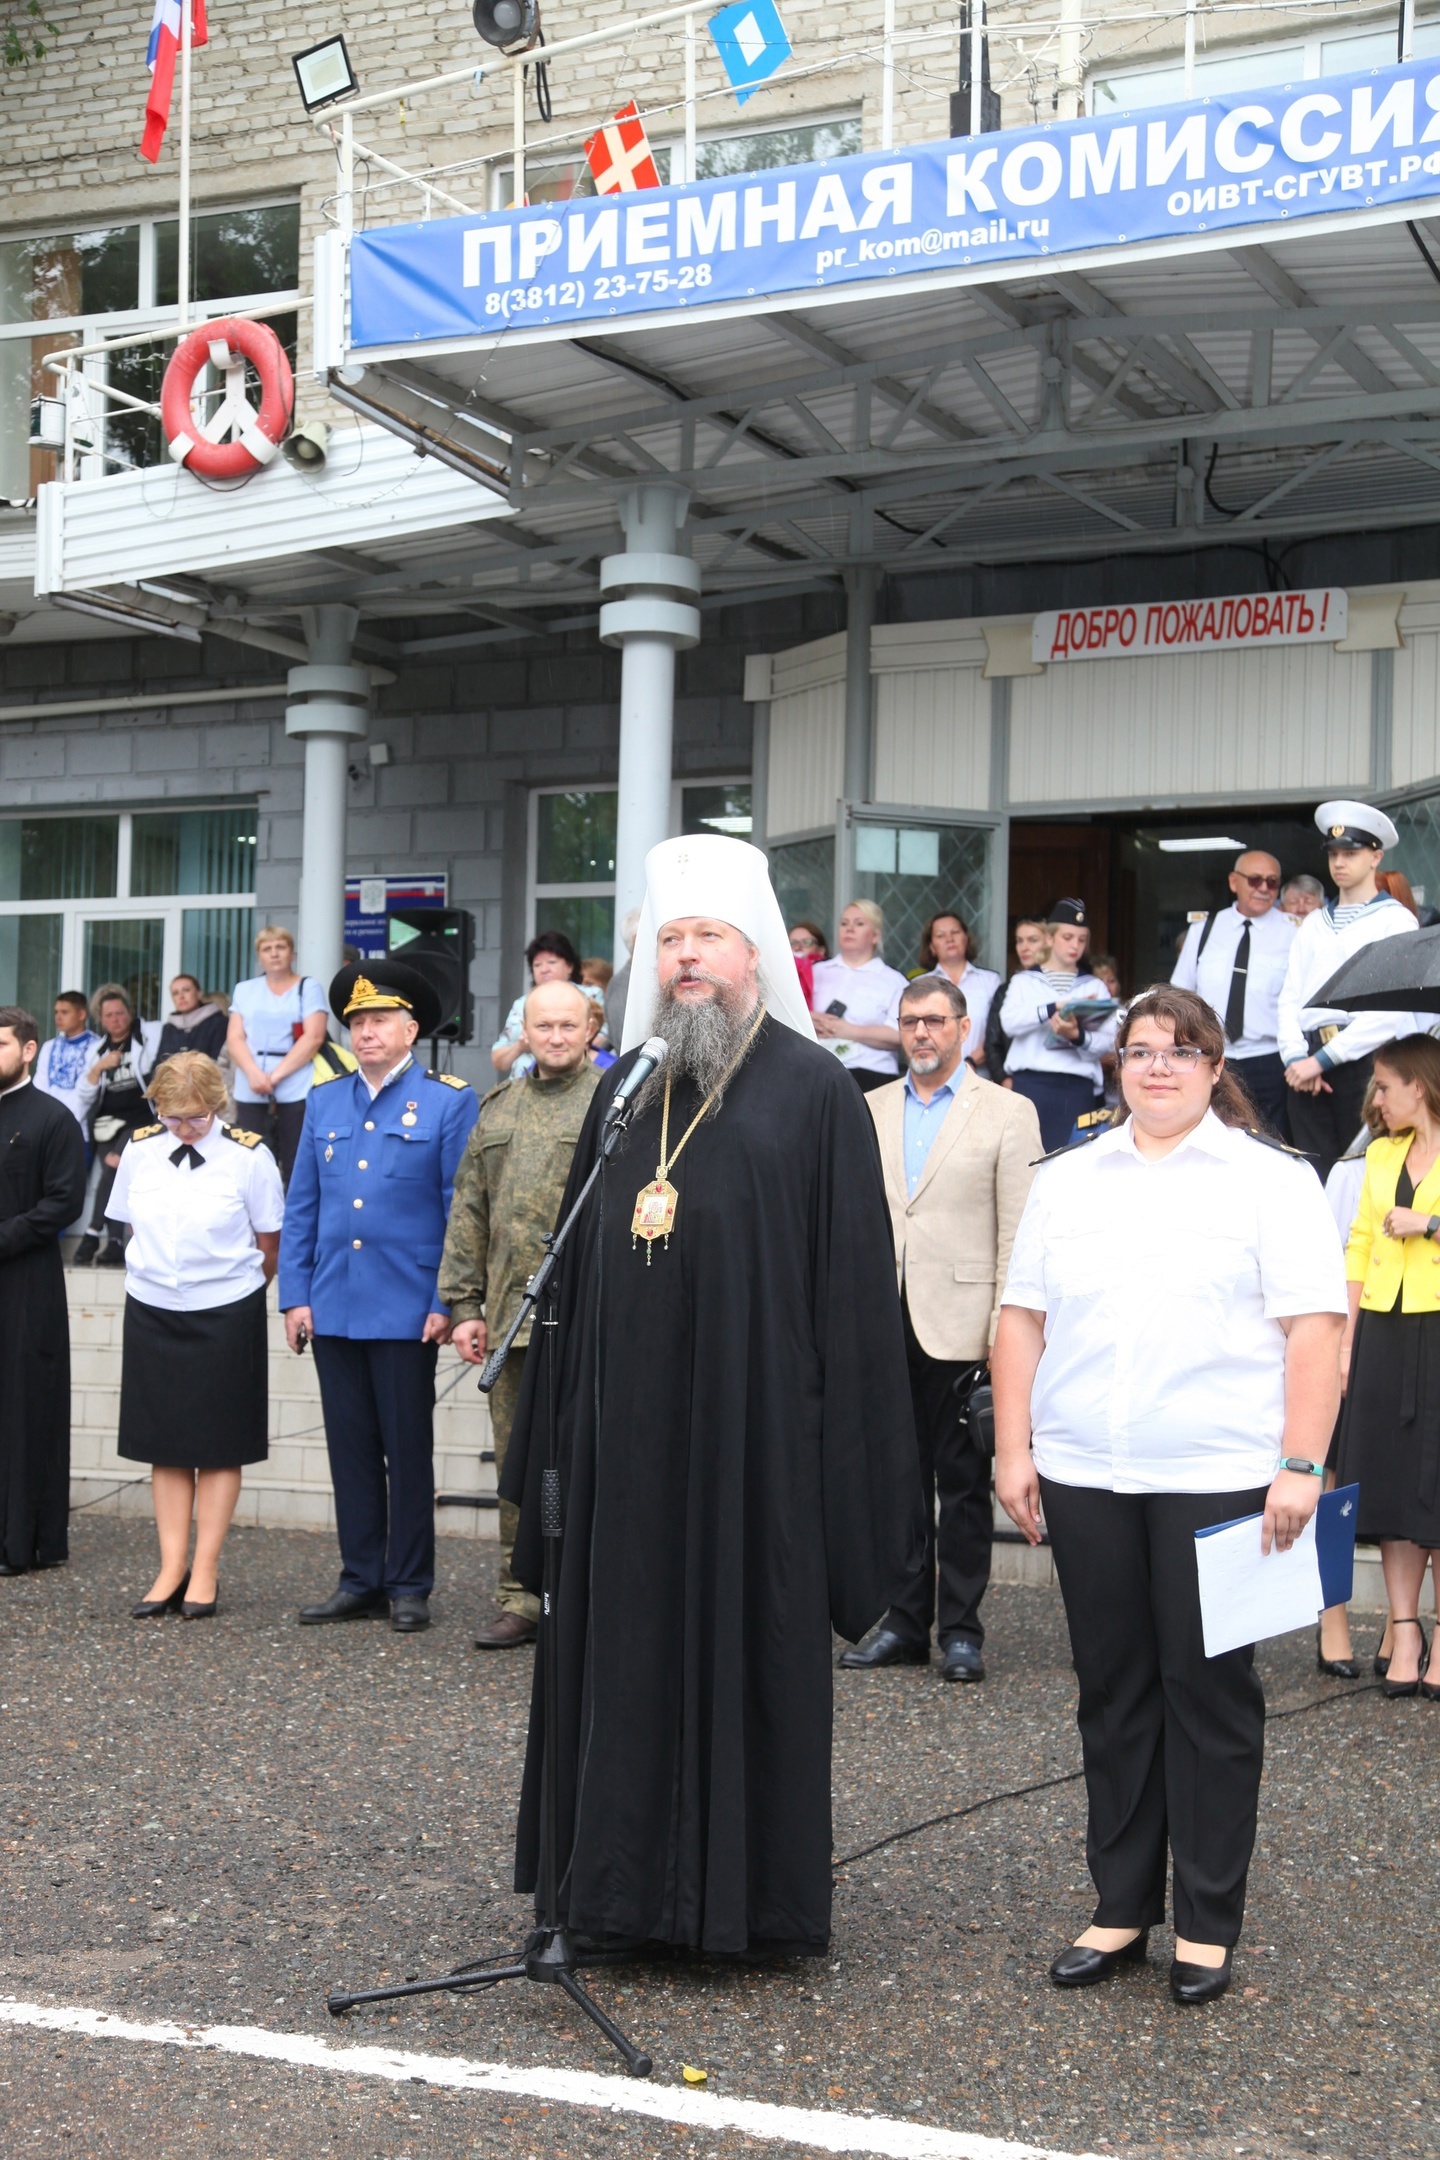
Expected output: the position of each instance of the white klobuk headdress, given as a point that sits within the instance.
(728, 881)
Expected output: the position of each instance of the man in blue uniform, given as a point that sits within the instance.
(364, 1229)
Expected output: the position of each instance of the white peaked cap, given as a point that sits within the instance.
(728, 881)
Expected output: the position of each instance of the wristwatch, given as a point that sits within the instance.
(1432, 1226)
(1303, 1465)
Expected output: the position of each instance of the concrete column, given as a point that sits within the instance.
(858, 767)
(758, 685)
(653, 619)
(329, 708)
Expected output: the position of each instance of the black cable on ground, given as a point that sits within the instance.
(1070, 1777)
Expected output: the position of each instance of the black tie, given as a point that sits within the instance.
(185, 1153)
(1235, 1003)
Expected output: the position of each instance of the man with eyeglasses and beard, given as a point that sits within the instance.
(1236, 961)
(737, 1459)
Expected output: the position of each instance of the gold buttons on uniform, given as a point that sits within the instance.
(370, 1124)
(359, 1203)
(362, 1165)
(357, 1244)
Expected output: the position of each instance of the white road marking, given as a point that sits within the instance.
(817, 2129)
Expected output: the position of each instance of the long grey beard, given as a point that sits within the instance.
(707, 1043)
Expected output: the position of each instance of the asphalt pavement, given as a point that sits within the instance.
(213, 1824)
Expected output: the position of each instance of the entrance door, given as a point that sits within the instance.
(1061, 862)
(129, 950)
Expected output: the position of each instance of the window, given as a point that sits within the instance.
(129, 898)
(723, 808)
(1255, 67)
(573, 857)
(756, 150)
(115, 281)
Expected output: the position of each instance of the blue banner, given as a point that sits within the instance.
(1301, 150)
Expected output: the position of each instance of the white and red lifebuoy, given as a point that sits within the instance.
(201, 445)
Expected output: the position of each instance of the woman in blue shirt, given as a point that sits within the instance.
(277, 1023)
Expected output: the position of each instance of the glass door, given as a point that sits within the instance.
(129, 950)
(915, 863)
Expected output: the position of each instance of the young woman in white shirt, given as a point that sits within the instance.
(204, 1205)
(1167, 1359)
(945, 950)
(865, 1032)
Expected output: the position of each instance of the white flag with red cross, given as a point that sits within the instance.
(619, 154)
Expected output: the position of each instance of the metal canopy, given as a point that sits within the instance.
(1255, 391)
(1283, 385)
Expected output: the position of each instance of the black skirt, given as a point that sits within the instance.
(1390, 1426)
(194, 1387)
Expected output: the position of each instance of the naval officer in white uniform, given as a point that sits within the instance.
(1236, 960)
(1328, 1054)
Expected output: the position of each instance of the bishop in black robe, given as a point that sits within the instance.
(739, 1475)
(42, 1190)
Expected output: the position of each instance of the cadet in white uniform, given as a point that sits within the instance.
(1328, 1055)
(1167, 1358)
(1236, 960)
(1053, 1060)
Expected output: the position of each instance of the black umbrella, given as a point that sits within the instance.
(1397, 975)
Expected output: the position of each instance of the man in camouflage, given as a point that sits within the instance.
(507, 1195)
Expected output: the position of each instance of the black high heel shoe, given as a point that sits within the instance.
(1393, 1688)
(1082, 1966)
(189, 1611)
(150, 1608)
(1198, 1983)
(1339, 1668)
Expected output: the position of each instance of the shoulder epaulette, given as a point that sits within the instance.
(1069, 1149)
(1266, 1139)
(146, 1132)
(447, 1079)
(323, 1079)
(1091, 1120)
(238, 1132)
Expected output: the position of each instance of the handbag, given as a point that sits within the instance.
(976, 1402)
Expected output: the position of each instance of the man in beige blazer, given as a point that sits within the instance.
(958, 1155)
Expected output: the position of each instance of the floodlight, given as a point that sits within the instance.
(306, 447)
(324, 73)
(507, 23)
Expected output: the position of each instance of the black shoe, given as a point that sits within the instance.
(1339, 1668)
(408, 1615)
(1380, 1665)
(344, 1605)
(1198, 1983)
(1394, 1688)
(110, 1254)
(6, 1569)
(85, 1251)
(884, 1647)
(963, 1660)
(189, 1610)
(1080, 1966)
(148, 1608)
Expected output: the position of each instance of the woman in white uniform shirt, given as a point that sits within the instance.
(204, 1205)
(1168, 1349)
(865, 1033)
(945, 950)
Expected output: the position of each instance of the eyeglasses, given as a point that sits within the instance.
(1262, 884)
(909, 1026)
(1179, 1057)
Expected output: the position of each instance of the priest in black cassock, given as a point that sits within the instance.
(42, 1190)
(738, 1462)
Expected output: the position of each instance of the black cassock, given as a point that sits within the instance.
(42, 1190)
(756, 1481)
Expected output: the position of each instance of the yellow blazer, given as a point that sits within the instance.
(1385, 1265)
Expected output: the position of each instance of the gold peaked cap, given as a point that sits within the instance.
(364, 997)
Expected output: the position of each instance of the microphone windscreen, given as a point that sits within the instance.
(657, 1049)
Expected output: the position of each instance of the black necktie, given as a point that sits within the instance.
(1235, 1003)
(185, 1153)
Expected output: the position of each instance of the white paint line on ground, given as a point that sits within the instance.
(818, 2129)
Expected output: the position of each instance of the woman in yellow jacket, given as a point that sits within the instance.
(1390, 1426)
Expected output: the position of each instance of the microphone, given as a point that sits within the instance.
(652, 1056)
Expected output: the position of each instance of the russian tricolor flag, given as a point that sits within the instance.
(163, 53)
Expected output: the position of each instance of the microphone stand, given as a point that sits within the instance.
(550, 1956)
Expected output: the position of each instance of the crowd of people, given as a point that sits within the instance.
(1113, 1285)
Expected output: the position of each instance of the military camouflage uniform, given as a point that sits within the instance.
(507, 1194)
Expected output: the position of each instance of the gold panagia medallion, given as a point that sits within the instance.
(654, 1215)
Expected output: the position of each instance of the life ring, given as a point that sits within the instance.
(201, 445)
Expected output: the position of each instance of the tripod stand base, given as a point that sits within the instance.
(549, 1958)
